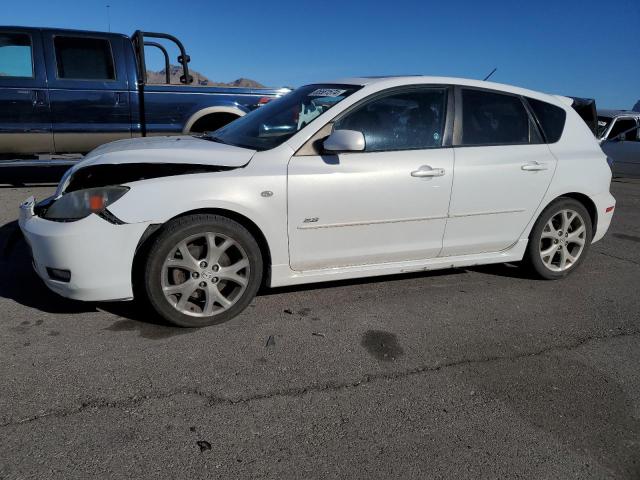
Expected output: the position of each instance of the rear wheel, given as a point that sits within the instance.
(560, 239)
(202, 270)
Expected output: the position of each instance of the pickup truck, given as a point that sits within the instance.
(69, 91)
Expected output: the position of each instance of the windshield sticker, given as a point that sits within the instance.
(327, 92)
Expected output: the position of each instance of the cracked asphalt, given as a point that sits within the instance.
(467, 373)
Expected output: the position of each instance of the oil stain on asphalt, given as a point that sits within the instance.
(381, 345)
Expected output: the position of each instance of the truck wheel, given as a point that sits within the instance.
(559, 240)
(211, 123)
(202, 270)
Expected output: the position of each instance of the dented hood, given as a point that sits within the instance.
(137, 159)
(183, 149)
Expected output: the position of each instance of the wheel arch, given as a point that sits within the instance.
(155, 229)
(584, 200)
(211, 112)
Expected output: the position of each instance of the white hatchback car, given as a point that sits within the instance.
(356, 178)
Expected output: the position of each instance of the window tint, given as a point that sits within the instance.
(84, 58)
(493, 119)
(550, 117)
(622, 125)
(400, 121)
(15, 55)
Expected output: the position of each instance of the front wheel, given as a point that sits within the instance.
(202, 270)
(560, 239)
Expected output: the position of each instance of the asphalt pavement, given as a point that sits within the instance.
(462, 374)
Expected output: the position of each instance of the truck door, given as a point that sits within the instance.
(88, 88)
(25, 116)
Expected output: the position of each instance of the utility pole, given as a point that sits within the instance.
(109, 17)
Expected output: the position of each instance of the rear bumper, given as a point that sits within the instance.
(603, 202)
(98, 254)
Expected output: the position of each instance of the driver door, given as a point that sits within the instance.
(624, 153)
(374, 206)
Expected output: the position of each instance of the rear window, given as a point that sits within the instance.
(550, 117)
(493, 119)
(15, 55)
(81, 58)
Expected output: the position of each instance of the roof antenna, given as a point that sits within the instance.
(109, 17)
(492, 72)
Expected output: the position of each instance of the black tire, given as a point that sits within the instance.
(186, 227)
(533, 258)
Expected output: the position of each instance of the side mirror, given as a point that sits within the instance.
(344, 141)
(621, 137)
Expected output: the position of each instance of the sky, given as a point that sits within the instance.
(582, 48)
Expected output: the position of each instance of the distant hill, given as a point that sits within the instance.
(175, 72)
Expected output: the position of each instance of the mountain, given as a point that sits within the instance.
(175, 72)
(636, 107)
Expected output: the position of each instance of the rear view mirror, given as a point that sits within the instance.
(344, 141)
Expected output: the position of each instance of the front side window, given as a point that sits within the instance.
(493, 119)
(277, 121)
(15, 55)
(81, 58)
(400, 121)
(626, 126)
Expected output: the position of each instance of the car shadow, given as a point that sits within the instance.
(509, 270)
(19, 282)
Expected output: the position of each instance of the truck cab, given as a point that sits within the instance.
(69, 91)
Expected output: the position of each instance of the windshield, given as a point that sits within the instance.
(271, 125)
(603, 124)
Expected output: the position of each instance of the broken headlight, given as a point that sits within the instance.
(82, 203)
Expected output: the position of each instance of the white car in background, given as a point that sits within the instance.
(619, 136)
(348, 179)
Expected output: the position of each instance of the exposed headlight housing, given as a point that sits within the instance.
(82, 203)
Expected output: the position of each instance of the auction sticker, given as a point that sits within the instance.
(327, 92)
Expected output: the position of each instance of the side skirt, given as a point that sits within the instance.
(282, 275)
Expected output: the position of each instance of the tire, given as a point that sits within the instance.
(554, 251)
(214, 258)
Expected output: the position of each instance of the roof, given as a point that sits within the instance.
(65, 30)
(617, 113)
(397, 81)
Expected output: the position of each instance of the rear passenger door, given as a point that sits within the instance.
(25, 117)
(88, 87)
(502, 171)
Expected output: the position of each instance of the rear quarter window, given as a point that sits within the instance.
(550, 118)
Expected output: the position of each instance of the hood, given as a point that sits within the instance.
(137, 159)
(184, 149)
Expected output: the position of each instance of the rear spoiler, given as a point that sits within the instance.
(586, 108)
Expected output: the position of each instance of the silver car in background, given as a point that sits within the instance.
(619, 136)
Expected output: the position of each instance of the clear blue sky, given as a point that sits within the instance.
(575, 47)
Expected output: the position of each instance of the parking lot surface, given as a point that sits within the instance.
(468, 373)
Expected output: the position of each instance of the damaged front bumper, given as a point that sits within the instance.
(97, 254)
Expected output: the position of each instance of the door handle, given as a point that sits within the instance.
(119, 98)
(534, 167)
(427, 171)
(37, 98)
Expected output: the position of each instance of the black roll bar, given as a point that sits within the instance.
(167, 64)
(138, 39)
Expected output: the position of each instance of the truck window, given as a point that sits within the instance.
(15, 55)
(82, 58)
